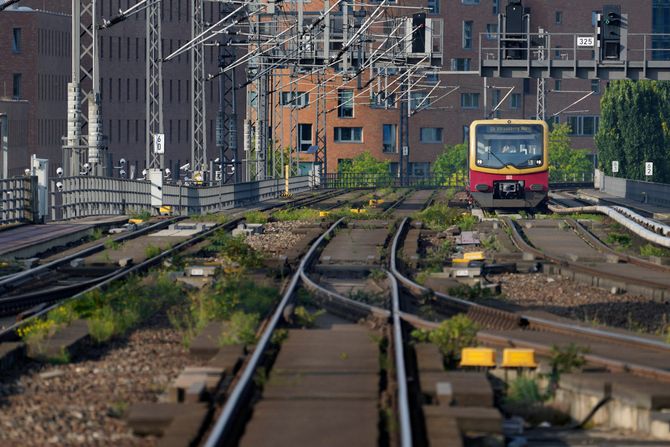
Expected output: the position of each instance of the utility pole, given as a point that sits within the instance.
(226, 120)
(198, 131)
(154, 73)
(541, 106)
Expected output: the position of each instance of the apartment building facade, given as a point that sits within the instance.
(36, 54)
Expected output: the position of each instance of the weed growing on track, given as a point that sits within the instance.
(451, 337)
(111, 244)
(151, 251)
(96, 234)
(524, 391)
(255, 217)
(652, 250)
(440, 216)
(620, 239)
(234, 250)
(240, 329)
(140, 215)
(297, 214)
(306, 319)
(377, 275)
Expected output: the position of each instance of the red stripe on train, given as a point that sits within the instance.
(537, 178)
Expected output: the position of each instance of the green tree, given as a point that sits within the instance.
(634, 128)
(366, 170)
(451, 165)
(564, 161)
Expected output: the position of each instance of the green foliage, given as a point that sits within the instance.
(564, 161)
(491, 243)
(240, 329)
(451, 336)
(565, 360)
(635, 128)
(102, 327)
(470, 293)
(377, 275)
(653, 250)
(151, 251)
(255, 217)
(371, 298)
(436, 257)
(440, 216)
(450, 167)
(141, 215)
(234, 250)
(620, 239)
(97, 234)
(111, 244)
(364, 170)
(297, 214)
(305, 318)
(524, 391)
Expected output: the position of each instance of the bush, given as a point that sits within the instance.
(524, 391)
(620, 239)
(151, 251)
(297, 214)
(141, 215)
(234, 250)
(255, 217)
(305, 318)
(111, 244)
(440, 216)
(451, 337)
(240, 329)
(652, 250)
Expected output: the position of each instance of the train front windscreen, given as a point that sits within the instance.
(509, 145)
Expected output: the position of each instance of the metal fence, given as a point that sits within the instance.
(365, 180)
(17, 200)
(93, 196)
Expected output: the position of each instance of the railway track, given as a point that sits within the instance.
(27, 291)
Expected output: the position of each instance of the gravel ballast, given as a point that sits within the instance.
(566, 298)
(81, 403)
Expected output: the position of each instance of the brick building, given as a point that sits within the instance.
(366, 126)
(35, 50)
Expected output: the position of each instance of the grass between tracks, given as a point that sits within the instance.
(234, 298)
(441, 216)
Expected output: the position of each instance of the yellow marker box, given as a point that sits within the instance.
(164, 210)
(460, 261)
(479, 357)
(358, 210)
(519, 358)
(135, 221)
(375, 202)
(324, 213)
(474, 256)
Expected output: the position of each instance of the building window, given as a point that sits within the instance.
(467, 34)
(431, 77)
(382, 100)
(466, 134)
(304, 137)
(390, 138)
(557, 85)
(430, 135)
(496, 6)
(583, 125)
(515, 101)
(460, 64)
(16, 86)
(16, 40)
(295, 99)
(419, 169)
(559, 17)
(345, 103)
(470, 100)
(434, 6)
(348, 134)
(491, 31)
(418, 99)
(595, 86)
(470, 2)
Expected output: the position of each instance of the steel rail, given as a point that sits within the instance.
(7, 282)
(539, 322)
(145, 265)
(233, 403)
(525, 247)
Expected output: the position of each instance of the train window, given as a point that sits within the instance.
(509, 145)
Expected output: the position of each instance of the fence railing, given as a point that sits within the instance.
(92, 196)
(364, 180)
(571, 177)
(17, 200)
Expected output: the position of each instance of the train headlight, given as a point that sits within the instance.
(538, 162)
(480, 161)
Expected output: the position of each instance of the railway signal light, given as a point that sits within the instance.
(609, 32)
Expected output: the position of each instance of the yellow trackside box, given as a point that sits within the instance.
(474, 256)
(358, 210)
(519, 358)
(165, 210)
(480, 357)
(135, 221)
(324, 213)
(375, 202)
(459, 261)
